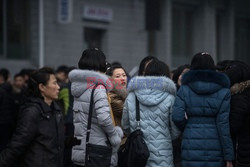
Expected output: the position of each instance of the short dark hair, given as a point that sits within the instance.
(237, 71)
(71, 68)
(116, 63)
(113, 67)
(143, 63)
(62, 68)
(5, 73)
(224, 65)
(40, 76)
(93, 59)
(26, 71)
(177, 72)
(202, 61)
(157, 68)
(18, 75)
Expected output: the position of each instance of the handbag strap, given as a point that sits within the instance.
(137, 112)
(90, 113)
(91, 105)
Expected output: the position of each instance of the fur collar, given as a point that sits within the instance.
(240, 87)
(206, 76)
(123, 93)
(84, 79)
(152, 82)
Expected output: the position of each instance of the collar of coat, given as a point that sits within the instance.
(206, 76)
(152, 82)
(45, 108)
(85, 79)
(238, 88)
(120, 93)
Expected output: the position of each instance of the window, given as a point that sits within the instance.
(14, 38)
(182, 34)
(242, 39)
(93, 37)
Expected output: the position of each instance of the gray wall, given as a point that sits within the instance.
(124, 41)
(125, 38)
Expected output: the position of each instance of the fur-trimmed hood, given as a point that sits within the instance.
(84, 79)
(151, 90)
(205, 81)
(238, 88)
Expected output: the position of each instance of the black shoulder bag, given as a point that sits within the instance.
(134, 153)
(96, 155)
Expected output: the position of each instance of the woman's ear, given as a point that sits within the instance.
(41, 87)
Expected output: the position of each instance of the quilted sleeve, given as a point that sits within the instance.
(179, 108)
(125, 118)
(175, 132)
(222, 121)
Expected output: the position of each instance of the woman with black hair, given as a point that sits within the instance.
(239, 75)
(143, 64)
(177, 77)
(201, 111)
(92, 66)
(118, 94)
(178, 73)
(39, 137)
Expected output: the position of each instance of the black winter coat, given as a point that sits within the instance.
(8, 108)
(39, 137)
(8, 114)
(240, 125)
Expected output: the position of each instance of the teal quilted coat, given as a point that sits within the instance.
(201, 110)
(156, 96)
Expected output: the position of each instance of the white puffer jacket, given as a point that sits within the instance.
(82, 84)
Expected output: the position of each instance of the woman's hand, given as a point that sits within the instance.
(229, 164)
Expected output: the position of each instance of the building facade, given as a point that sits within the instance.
(36, 33)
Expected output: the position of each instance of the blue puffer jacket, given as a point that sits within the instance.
(202, 110)
(156, 96)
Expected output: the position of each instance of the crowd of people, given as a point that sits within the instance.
(197, 115)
